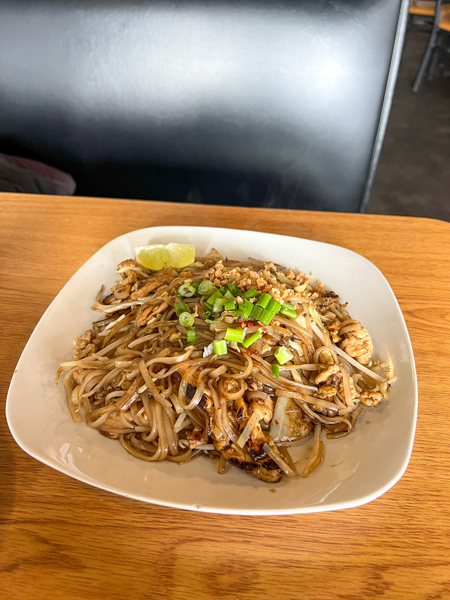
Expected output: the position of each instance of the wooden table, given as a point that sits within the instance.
(62, 539)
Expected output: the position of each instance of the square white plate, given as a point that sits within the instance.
(356, 469)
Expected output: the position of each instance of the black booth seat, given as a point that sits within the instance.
(269, 102)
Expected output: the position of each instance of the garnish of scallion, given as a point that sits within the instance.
(191, 336)
(235, 335)
(181, 307)
(257, 312)
(251, 293)
(206, 288)
(219, 303)
(186, 290)
(211, 300)
(234, 290)
(264, 300)
(186, 319)
(220, 347)
(272, 309)
(288, 310)
(283, 355)
(245, 310)
(251, 340)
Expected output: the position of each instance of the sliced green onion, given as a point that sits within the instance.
(315, 316)
(223, 291)
(228, 295)
(186, 319)
(234, 290)
(196, 285)
(191, 336)
(235, 335)
(288, 306)
(283, 355)
(251, 340)
(206, 288)
(246, 309)
(210, 302)
(288, 310)
(272, 310)
(275, 370)
(218, 305)
(264, 300)
(257, 312)
(208, 314)
(251, 293)
(186, 290)
(220, 301)
(274, 306)
(230, 305)
(220, 347)
(181, 307)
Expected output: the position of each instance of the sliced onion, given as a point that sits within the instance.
(296, 377)
(279, 426)
(179, 423)
(246, 432)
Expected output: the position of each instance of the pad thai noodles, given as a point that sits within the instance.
(238, 360)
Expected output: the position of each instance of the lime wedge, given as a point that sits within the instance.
(155, 256)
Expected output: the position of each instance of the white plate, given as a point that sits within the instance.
(356, 469)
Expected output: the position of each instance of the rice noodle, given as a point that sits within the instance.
(197, 397)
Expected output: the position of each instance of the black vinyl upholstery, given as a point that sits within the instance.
(267, 102)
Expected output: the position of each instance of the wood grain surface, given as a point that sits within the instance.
(62, 539)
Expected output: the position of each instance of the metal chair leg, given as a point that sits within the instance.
(435, 55)
(424, 63)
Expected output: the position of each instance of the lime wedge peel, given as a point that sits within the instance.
(155, 256)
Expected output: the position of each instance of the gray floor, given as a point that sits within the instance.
(413, 176)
